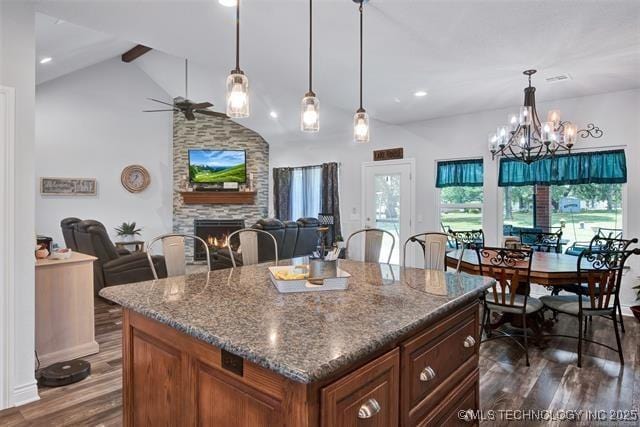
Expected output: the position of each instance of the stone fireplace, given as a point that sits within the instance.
(217, 133)
(215, 232)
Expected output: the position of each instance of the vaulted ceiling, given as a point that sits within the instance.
(467, 54)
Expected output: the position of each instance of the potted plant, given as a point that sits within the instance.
(128, 231)
(339, 242)
(635, 309)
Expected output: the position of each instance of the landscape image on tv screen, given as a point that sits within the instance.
(217, 166)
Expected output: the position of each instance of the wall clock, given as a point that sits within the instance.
(135, 178)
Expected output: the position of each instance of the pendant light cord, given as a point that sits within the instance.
(186, 78)
(310, 46)
(238, 35)
(360, 55)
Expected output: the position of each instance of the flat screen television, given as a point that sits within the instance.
(217, 166)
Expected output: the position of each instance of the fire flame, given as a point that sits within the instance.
(214, 242)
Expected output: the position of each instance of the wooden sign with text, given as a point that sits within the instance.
(388, 154)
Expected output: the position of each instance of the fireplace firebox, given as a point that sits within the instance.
(215, 232)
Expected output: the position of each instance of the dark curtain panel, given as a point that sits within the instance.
(282, 193)
(460, 173)
(329, 196)
(597, 167)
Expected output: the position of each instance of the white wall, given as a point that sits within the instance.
(465, 136)
(17, 70)
(90, 123)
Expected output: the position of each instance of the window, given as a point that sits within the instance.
(461, 208)
(460, 197)
(306, 185)
(579, 193)
(580, 210)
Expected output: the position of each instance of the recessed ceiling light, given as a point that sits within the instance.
(227, 3)
(420, 93)
(273, 114)
(45, 59)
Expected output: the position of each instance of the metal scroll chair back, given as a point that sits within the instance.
(434, 246)
(605, 244)
(468, 239)
(542, 242)
(372, 244)
(511, 268)
(249, 245)
(173, 249)
(602, 272)
(609, 233)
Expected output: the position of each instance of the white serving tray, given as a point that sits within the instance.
(339, 283)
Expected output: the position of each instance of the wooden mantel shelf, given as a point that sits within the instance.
(218, 197)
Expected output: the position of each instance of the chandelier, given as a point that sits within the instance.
(527, 139)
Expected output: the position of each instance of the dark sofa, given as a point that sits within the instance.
(293, 238)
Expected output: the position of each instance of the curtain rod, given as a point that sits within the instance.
(308, 166)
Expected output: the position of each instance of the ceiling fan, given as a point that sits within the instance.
(184, 105)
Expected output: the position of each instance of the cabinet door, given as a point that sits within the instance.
(367, 397)
(223, 400)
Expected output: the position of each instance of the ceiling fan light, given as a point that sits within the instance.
(361, 126)
(310, 115)
(237, 95)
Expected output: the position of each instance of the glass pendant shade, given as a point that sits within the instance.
(492, 140)
(546, 132)
(237, 95)
(525, 116)
(554, 117)
(310, 114)
(513, 122)
(503, 135)
(361, 126)
(570, 134)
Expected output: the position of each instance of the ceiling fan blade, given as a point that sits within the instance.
(161, 102)
(156, 111)
(201, 105)
(212, 113)
(189, 115)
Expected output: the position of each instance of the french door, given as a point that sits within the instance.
(387, 201)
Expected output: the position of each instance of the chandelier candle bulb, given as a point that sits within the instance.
(554, 117)
(513, 122)
(546, 133)
(570, 134)
(525, 116)
(492, 140)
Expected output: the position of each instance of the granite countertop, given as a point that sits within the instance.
(303, 336)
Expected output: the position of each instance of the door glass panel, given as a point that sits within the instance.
(387, 206)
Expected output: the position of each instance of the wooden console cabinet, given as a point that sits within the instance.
(424, 379)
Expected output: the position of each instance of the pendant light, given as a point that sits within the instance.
(361, 119)
(237, 82)
(310, 114)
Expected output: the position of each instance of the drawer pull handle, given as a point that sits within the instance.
(427, 374)
(469, 342)
(369, 409)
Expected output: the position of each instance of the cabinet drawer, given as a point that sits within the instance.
(463, 398)
(438, 360)
(366, 397)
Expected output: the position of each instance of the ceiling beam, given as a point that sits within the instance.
(135, 53)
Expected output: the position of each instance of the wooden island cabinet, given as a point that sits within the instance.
(425, 380)
(195, 353)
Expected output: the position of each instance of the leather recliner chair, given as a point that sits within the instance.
(111, 267)
(307, 240)
(68, 226)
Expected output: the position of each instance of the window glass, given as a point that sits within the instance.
(461, 208)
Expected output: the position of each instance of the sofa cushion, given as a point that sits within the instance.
(308, 222)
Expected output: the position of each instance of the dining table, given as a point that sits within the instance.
(547, 269)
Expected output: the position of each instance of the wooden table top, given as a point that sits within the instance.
(75, 257)
(546, 268)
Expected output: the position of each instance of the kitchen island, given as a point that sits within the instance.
(399, 347)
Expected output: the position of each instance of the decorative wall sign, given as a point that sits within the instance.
(388, 154)
(135, 178)
(68, 186)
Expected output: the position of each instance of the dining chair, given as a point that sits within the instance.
(434, 245)
(469, 239)
(511, 268)
(610, 233)
(602, 273)
(249, 245)
(373, 238)
(173, 249)
(541, 241)
(601, 244)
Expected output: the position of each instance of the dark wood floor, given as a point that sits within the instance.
(553, 381)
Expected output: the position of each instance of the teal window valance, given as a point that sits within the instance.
(460, 173)
(598, 167)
